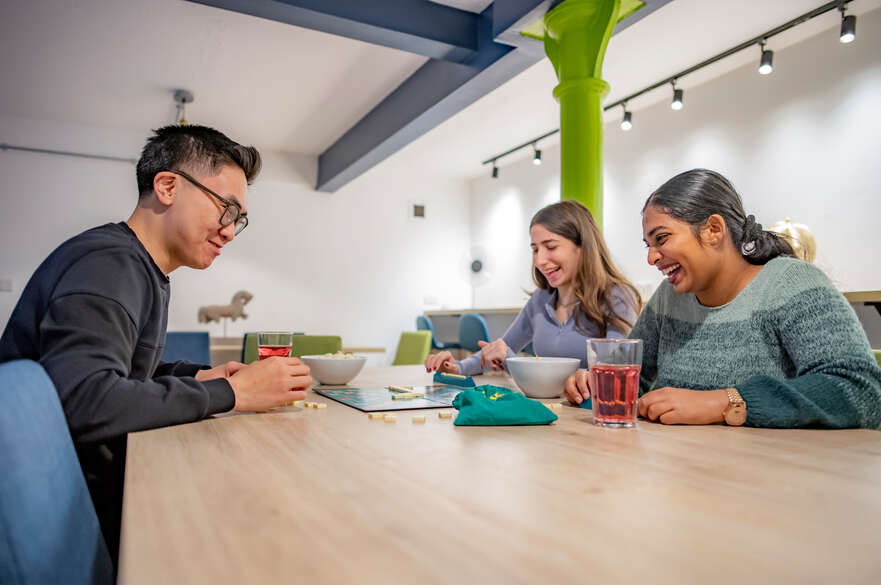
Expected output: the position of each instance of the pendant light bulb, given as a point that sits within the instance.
(766, 65)
(678, 94)
(848, 28)
(627, 121)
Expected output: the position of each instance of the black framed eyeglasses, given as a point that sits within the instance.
(232, 211)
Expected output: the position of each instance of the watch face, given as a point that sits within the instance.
(736, 414)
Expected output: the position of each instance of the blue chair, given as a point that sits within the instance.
(190, 346)
(423, 323)
(49, 532)
(528, 349)
(472, 328)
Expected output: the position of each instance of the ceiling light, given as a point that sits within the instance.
(766, 65)
(676, 104)
(848, 26)
(495, 171)
(182, 97)
(627, 120)
(536, 158)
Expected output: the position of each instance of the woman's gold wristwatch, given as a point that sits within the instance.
(735, 413)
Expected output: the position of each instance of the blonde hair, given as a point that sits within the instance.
(799, 237)
(597, 277)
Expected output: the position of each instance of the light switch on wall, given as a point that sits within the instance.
(5, 285)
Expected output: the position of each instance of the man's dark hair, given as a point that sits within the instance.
(195, 149)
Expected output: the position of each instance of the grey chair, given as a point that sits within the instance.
(49, 532)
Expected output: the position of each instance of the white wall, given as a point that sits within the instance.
(349, 263)
(803, 142)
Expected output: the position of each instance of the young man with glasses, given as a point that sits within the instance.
(94, 313)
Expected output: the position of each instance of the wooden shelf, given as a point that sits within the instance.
(865, 296)
(497, 311)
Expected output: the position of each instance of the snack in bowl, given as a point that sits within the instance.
(334, 368)
(542, 377)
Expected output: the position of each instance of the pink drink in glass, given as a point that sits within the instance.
(614, 380)
(265, 351)
(615, 389)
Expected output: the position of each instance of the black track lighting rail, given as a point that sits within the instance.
(828, 7)
(757, 40)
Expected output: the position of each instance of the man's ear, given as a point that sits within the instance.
(714, 230)
(165, 187)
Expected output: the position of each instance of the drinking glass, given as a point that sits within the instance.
(614, 380)
(272, 343)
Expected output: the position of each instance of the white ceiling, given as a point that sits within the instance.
(114, 64)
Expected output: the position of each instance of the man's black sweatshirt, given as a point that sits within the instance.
(94, 316)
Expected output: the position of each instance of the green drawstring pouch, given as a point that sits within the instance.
(489, 405)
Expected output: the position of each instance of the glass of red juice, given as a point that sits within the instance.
(614, 380)
(274, 343)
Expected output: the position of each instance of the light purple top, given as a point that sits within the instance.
(538, 323)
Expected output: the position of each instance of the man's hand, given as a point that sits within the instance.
(224, 371)
(577, 388)
(493, 354)
(441, 361)
(678, 406)
(269, 383)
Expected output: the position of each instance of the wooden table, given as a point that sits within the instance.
(328, 496)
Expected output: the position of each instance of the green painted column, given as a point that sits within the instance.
(576, 35)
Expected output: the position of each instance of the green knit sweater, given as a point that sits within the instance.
(789, 342)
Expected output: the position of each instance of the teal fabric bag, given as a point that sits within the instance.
(489, 405)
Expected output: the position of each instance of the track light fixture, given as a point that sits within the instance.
(848, 26)
(627, 120)
(676, 104)
(766, 65)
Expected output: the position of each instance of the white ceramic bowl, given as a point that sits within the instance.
(333, 370)
(544, 377)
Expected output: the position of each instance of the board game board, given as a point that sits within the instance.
(375, 399)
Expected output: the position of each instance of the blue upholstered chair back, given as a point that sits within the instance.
(49, 531)
(472, 328)
(191, 346)
(423, 323)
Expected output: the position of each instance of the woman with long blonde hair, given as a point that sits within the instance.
(581, 294)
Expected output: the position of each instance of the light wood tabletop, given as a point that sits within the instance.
(327, 496)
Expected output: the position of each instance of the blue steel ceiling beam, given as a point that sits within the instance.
(459, 72)
(415, 26)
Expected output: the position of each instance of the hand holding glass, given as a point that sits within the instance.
(614, 380)
(274, 343)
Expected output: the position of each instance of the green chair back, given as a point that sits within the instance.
(413, 348)
(877, 353)
(316, 344)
